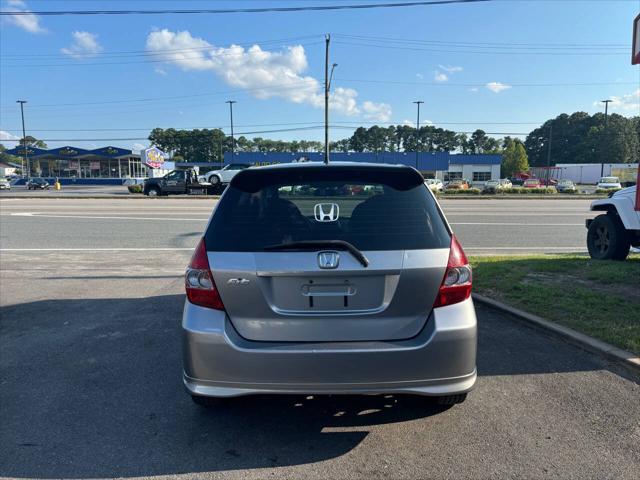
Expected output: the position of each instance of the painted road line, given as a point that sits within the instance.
(34, 215)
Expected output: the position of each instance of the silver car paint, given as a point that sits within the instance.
(440, 360)
(396, 293)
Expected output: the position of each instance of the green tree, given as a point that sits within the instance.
(514, 157)
(32, 142)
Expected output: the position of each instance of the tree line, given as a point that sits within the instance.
(575, 138)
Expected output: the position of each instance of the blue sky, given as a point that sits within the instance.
(502, 66)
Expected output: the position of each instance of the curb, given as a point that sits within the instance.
(607, 350)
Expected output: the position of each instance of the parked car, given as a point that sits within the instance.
(610, 235)
(459, 184)
(506, 183)
(492, 186)
(307, 295)
(532, 183)
(5, 184)
(609, 182)
(37, 184)
(434, 184)
(224, 175)
(566, 186)
(517, 181)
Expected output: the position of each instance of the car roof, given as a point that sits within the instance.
(296, 165)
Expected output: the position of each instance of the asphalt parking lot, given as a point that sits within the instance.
(90, 371)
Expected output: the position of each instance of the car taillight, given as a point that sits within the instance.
(456, 284)
(201, 289)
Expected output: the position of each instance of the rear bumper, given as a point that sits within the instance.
(440, 360)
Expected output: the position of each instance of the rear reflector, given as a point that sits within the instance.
(456, 284)
(199, 284)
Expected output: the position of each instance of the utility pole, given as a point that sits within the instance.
(417, 102)
(24, 140)
(233, 141)
(327, 86)
(606, 125)
(549, 154)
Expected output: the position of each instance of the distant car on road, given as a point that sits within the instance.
(459, 184)
(606, 183)
(532, 183)
(566, 186)
(517, 181)
(37, 184)
(434, 184)
(302, 294)
(224, 175)
(4, 184)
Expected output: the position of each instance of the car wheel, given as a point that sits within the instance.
(451, 399)
(214, 180)
(607, 238)
(153, 192)
(209, 402)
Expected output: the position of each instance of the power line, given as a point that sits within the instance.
(363, 6)
(476, 52)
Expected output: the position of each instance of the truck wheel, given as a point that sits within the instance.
(153, 192)
(214, 180)
(607, 238)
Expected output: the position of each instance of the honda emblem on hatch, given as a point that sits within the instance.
(328, 260)
(326, 212)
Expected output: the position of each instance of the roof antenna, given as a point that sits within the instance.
(327, 88)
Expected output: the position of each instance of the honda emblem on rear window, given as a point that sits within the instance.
(326, 212)
(328, 259)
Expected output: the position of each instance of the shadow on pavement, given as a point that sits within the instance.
(92, 388)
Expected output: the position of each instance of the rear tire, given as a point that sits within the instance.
(209, 402)
(214, 180)
(153, 192)
(607, 238)
(451, 399)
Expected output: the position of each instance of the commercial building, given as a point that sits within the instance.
(82, 164)
(442, 165)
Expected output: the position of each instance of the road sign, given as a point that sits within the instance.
(635, 55)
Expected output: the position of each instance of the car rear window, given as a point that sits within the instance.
(374, 209)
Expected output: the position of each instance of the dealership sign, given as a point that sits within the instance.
(153, 157)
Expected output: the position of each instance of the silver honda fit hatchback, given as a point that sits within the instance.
(328, 279)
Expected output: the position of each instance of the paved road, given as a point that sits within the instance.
(90, 386)
(483, 225)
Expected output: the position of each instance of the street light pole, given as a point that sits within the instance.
(233, 141)
(327, 87)
(606, 124)
(24, 139)
(417, 102)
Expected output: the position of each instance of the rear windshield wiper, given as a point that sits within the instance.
(318, 244)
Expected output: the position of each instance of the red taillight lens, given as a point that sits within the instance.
(201, 289)
(456, 284)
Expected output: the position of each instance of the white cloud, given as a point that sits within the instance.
(85, 45)
(29, 23)
(450, 68)
(160, 71)
(136, 147)
(440, 76)
(380, 112)
(409, 123)
(628, 103)
(7, 137)
(497, 87)
(266, 74)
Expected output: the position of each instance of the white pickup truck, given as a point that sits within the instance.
(610, 235)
